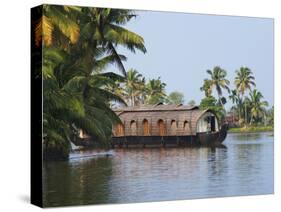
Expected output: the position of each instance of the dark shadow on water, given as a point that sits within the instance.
(218, 146)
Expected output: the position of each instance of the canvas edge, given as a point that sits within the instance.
(36, 189)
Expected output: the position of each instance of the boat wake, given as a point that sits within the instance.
(81, 155)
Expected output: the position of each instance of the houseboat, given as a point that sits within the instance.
(167, 125)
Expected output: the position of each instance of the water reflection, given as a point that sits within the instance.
(77, 182)
(244, 167)
(247, 136)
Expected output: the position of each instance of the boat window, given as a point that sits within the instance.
(133, 126)
(173, 127)
(146, 130)
(120, 131)
(185, 126)
(161, 126)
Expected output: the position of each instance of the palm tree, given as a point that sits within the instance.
(109, 33)
(155, 91)
(234, 97)
(207, 88)
(81, 102)
(219, 82)
(58, 25)
(75, 87)
(244, 81)
(270, 116)
(95, 32)
(134, 86)
(257, 105)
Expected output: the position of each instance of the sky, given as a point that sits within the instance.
(182, 46)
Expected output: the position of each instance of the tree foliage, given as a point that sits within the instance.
(212, 104)
(218, 82)
(155, 91)
(191, 103)
(257, 105)
(78, 44)
(175, 97)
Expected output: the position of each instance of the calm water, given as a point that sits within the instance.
(244, 167)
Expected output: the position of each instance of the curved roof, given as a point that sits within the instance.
(156, 107)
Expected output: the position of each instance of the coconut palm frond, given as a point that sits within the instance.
(63, 22)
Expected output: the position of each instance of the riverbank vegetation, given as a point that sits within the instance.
(79, 94)
(251, 129)
(249, 110)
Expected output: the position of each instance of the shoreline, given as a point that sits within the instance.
(251, 129)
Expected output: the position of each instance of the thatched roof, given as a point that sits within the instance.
(181, 114)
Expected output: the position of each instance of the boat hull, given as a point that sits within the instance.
(200, 139)
(151, 141)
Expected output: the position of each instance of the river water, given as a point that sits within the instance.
(244, 167)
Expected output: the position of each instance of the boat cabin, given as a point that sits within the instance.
(164, 120)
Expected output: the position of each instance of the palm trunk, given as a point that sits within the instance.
(246, 114)
(239, 113)
(251, 121)
(220, 101)
(239, 108)
(222, 106)
(132, 100)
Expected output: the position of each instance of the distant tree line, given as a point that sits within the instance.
(135, 90)
(249, 105)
